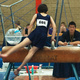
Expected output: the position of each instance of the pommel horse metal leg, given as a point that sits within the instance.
(28, 72)
(75, 72)
(29, 47)
(8, 71)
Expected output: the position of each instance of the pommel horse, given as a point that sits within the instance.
(64, 54)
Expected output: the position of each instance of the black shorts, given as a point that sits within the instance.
(38, 38)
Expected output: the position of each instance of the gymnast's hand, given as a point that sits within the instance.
(65, 43)
(52, 39)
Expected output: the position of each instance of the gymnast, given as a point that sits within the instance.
(37, 37)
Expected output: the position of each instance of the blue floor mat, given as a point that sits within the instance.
(3, 73)
(72, 78)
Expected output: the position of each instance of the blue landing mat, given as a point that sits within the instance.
(72, 78)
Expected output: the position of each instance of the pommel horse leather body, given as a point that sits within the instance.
(60, 54)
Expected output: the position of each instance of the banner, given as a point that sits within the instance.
(38, 2)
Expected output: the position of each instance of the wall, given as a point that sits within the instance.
(25, 13)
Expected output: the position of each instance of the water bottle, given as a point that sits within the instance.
(40, 68)
(32, 69)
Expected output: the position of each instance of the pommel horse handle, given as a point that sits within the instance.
(52, 45)
(61, 54)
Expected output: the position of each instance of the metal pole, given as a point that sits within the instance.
(16, 2)
(11, 4)
(56, 10)
(65, 15)
(12, 17)
(70, 9)
(8, 72)
(3, 2)
(59, 22)
(75, 72)
(2, 23)
(28, 72)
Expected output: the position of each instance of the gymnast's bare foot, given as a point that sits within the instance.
(3, 55)
(16, 72)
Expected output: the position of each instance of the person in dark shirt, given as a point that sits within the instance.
(50, 30)
(70, 37)
(25, 30)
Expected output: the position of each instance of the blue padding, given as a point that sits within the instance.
(1, 63)
(37, 64)
(1, 58)
(0, 48)
(72, 78)
(3, 73)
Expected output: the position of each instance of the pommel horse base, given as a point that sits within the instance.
(58, 55)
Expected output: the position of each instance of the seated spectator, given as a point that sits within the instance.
(70, 37)
(25, 30)
(62, 27)
(17, 24)
(50, 30)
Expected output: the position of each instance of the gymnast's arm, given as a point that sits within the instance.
(54, 29)
(32, 23)
(62, 43)
(66, 43)
(75, 43)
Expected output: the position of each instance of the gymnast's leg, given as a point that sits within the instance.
(27, 58)
(24, 43)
